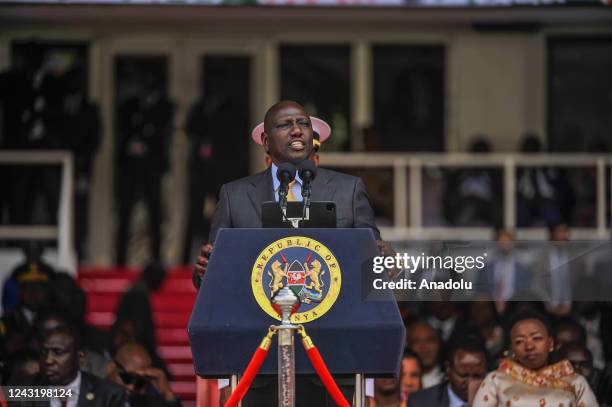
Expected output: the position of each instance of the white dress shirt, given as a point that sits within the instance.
(75, 386)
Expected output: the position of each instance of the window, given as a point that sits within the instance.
(319, 78)
(408, 98)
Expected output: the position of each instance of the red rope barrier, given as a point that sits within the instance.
(317, 362)
(251, 371)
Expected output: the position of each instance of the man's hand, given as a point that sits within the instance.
(202, 262)
(159, 380)
(388, 251)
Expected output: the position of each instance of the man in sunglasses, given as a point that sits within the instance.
(146, 386)
(60, 355)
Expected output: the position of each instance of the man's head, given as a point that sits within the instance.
(568, 331)
(558, 232)
(287, 133)
(33, 286)
(580, 358)
(467, 361)
(424, 341)
(505, 240)
(60, 356)
(387, 387)
(130, 359)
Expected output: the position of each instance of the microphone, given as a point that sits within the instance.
(285, 174)
(307, 171)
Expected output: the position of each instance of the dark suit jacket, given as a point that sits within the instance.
(105, 393)
(94, 392)
(240, 202)
(436, 396)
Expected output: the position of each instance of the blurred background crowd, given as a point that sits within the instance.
(118, 125)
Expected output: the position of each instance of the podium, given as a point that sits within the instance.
(354, 336)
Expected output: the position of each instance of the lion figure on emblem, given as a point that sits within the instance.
(314, 274)
(277, 276)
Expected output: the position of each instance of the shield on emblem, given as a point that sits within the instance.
(296, 277)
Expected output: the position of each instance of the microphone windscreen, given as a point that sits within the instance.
(307, 170)
(286, 172)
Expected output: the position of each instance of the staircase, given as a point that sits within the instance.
(172, 305)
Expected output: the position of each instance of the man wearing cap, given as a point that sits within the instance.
(287, 136)
(318, 127)
(32, 287)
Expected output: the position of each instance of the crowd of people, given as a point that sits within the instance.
(468, 354)
(45, 340)
(532, 358)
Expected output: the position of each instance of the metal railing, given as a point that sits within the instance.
(63, 231)
(408, 189)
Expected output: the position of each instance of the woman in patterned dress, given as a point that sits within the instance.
(526, 379)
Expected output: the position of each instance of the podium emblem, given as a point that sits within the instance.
(305, 266)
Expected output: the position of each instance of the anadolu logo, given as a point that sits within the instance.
(304, 265)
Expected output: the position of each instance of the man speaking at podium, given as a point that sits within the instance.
(287, 137)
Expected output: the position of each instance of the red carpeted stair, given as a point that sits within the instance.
(172, 306)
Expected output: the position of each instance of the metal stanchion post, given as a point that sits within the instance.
(359, 390)
(233, 385)
(286, 299)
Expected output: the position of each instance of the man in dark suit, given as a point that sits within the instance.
(287, 137)
(466, 367)
(60, 355)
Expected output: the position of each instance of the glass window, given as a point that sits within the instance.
(408, 98)
(319, 77)
(579, 95)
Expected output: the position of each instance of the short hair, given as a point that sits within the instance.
(524, 314)
(472, 343)
(410, 354)
(571, 322)
(554, 225)
(422, 322)
(273, 109)
(68, 331)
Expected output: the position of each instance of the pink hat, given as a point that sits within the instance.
(318, 125)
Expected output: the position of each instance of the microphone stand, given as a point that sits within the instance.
(282, 197)
(306, 191)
